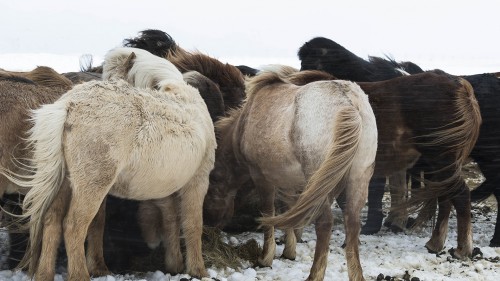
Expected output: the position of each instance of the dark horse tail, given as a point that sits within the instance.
(460, 138)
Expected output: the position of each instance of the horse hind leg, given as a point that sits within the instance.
(436, 243)
(267, 195)
(51, 237)
(95, 255)
(290, 245)
(462, 205)
(191, 202)
(398, 215)
(323, 227)
(170, 226)
(87, 198)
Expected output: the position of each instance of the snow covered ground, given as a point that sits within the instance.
(385, 253)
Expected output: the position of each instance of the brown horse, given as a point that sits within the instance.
(435, 118)
(228, 77)
(19, 93)
(303, 146)
(169, 149)
(434, 115)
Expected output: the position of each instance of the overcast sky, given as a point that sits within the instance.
(463, 35)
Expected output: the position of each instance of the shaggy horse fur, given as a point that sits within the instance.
(301, 165)
(229, 78)
(324, 54)
(169, 152)
(19, 93)
(435, 117)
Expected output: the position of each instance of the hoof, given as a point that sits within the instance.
(396, 229)
(494, 243)
(370, 230)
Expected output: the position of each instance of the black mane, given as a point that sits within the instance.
(155, 41)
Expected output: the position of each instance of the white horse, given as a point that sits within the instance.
(109, 137)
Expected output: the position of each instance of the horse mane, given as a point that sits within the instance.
(8, 76)
(261, 80)
(226, 75)
(307, 76)
(41, 75)
(296, 77)
(140, 68)
(324, 54)
(155, 41)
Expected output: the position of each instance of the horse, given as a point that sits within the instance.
(231, 83)
(19, 93)
(322, 53)
(168, 153)
(432, 118)
(228, 77)
(270, 139)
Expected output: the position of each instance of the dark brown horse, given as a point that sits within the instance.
(433, 118)
(324, 54)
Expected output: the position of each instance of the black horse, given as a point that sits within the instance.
(324, 54)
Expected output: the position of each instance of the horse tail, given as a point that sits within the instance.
(461, 138)
(329, 180)
(45, 140)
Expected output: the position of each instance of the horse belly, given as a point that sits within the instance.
(157, 173)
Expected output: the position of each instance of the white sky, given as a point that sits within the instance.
(453, 35)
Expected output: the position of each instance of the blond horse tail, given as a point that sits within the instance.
(48, 164)
(328, 181)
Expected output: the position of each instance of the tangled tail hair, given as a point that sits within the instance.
(460, 138)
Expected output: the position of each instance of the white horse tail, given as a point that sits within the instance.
(328, 181)
(48, 164)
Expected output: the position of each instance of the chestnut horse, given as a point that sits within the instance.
(114, 138)
(303, 146)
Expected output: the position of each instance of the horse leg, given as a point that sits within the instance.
(95, 255)
(495, 241)
(398, 215)
(44, 262)
(375, 215)
(174, 263)
(490, 170)
(149, 221)
(462, 205)
(323, 227)
(436, 243)
(266, 193)
(290, 245)
(87, 197)
(191, 200)
(356, 193)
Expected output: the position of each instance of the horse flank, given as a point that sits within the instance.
(326, 182)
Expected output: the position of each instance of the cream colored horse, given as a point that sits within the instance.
(304, 146)
(108, 137)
